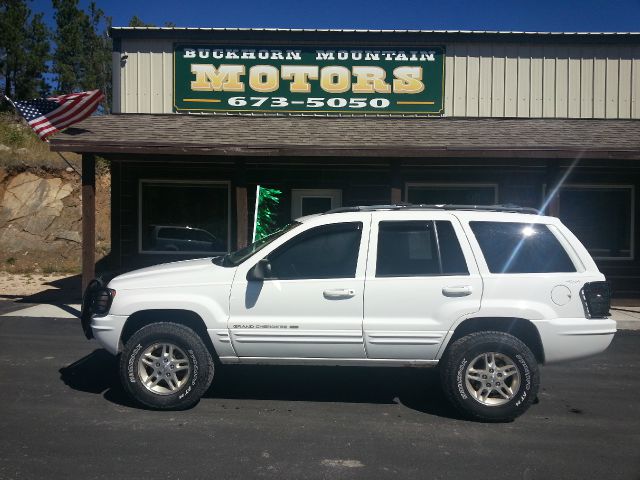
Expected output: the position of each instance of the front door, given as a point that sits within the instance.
(312, 304)
(420, 280)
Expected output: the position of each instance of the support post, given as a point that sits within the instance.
(396, 182)
(88, 219)
(242, 207)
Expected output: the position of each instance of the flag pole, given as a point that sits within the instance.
(59, 154)
(68, 163)
(255, 214)
(10, 101)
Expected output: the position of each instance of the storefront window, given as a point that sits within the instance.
(190, 217)
(601, 217)
(451, 194)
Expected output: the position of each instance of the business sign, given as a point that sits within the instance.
(211, 78)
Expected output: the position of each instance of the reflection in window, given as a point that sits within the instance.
(510, 247)
(184, 217)
(600, 217)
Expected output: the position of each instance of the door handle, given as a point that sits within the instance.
(338, 293)
(457, 291)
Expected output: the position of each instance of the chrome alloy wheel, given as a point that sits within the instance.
(492, 379)
(163, 368)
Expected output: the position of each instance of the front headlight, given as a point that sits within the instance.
(102, 301)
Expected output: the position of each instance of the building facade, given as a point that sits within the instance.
(341, 118)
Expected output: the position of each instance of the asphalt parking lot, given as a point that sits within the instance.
(65, 416)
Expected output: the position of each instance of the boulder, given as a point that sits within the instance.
(28, 195)
(71, 235)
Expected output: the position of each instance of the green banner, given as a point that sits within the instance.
(302, 79)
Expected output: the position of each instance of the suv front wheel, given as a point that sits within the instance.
(490, 376)
(166, 366)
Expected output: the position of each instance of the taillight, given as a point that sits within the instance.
(102, 300)
(596, 297)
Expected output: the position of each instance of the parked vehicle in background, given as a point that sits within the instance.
(168, 238)
(487, 294)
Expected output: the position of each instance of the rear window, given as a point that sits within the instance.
(521, 248)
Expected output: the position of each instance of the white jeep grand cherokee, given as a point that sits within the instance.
(485, 293)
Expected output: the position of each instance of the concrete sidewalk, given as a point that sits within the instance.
(627, 317)
(43, 310)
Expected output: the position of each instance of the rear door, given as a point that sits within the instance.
(421, 277)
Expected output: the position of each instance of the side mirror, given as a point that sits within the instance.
(260, 271)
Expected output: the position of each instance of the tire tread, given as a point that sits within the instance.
(449, 364)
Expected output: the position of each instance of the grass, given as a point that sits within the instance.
(26, 149)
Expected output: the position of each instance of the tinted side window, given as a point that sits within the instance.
(453, 262)
(329, 251)
(406, 249)
(521, 248)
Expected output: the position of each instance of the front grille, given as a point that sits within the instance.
(596, 297)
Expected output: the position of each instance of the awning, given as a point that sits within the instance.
(176, 134)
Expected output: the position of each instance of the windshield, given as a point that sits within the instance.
(239, 256)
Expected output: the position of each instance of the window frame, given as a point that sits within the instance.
(299, 194)
(596, 186)
(445, 185)
(143, 181)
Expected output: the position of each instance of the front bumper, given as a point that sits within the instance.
(573, 338)
(86, 311)
(107, 330)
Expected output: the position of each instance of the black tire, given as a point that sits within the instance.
(462, 390)
(190, 384)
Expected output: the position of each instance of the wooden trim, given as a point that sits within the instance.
(328, 151)
(88, 219)
(242, 217)
(116, 216)
(242, 206)
(396, 182)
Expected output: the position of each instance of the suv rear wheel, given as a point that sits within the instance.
(166, 366)
(490, 376)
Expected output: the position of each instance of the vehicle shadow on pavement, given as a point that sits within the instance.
(416, 389)
(96, 373)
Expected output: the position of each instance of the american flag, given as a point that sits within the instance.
(47, 116)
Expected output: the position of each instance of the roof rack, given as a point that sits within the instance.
(410, 206)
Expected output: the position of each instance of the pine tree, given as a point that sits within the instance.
(24, 50)
(37, 45)
(68, 62)
(82, 60)
(137, 22)
(97, 52)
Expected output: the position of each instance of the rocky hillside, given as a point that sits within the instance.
(41, 219)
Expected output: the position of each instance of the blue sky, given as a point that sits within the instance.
(558, 15)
